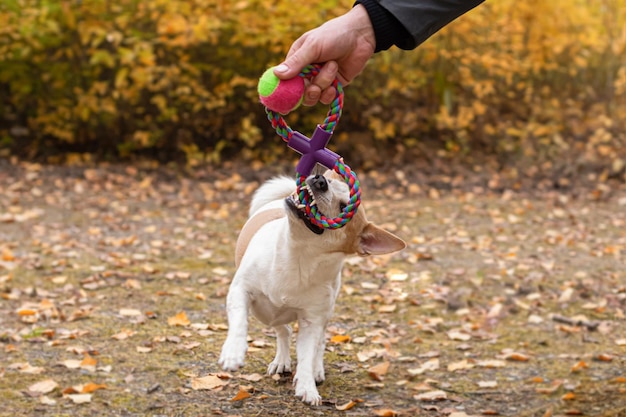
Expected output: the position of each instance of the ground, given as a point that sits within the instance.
(113, 283)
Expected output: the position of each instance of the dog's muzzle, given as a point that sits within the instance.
(294, 205)
(311, 185)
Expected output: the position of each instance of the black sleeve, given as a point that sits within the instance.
(408, 23)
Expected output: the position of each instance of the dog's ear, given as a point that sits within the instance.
(377, 241)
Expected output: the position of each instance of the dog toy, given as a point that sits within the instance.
(313, 150)
(282, 96)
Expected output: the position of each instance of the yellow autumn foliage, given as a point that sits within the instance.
(526, 79)
(531, 80)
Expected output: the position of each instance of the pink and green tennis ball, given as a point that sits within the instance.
(281, 96)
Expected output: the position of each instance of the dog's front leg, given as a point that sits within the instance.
(236, 344)
(318, 365)
(310, 334)
(282, 361)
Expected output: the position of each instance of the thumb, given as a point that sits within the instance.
(292, 65)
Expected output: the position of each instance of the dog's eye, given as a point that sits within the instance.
(342, 206)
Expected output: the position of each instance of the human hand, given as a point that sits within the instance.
(343, 45)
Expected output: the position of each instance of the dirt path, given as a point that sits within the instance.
(113, 283)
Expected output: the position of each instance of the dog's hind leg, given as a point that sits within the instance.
(282, 361)
(236, 344)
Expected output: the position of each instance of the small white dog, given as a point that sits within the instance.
(290, 270)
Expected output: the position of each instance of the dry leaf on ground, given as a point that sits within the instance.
(436, 395)
(43, 387)
(179, 319)
(208, 382)
(377, 372)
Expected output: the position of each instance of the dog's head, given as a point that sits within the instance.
(331, 195)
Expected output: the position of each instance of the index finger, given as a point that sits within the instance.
(326, 76)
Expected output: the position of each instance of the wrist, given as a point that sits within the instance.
(359, 21)
(386, 28)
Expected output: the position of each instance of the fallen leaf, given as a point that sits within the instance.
(377, 372)
(179, 319)
(191, 345)
(45, 400)
(517, 357)
(493, 363)
(459, 335)
(252, 377)
(241, 395)
(88, 363)
(464, 364)
(396, 275)
(579, 366)
(72, 390)
(80, 398)
(340, 338)
(566, 295)
(346, 406)
(366, 355)
(208, 382)
(556, 384)
(43, 387)
(495, 311)
(388, 308)
(26, 368)
(429, 365)
(124, 334)
(385, 412)
(26, 312)
(487, 384)
(71, 363)
(129, 312)
(436, 395)
(568, 396)
(91, 387)
(80, 313)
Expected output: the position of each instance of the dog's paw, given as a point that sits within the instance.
(319, 376)
(233, 356)
(278, 366)
(308, 393)
(318, 370)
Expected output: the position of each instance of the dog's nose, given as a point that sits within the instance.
(319, 182)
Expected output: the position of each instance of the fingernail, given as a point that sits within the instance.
(281, 68)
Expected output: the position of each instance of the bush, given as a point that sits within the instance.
(134, 75)
(527, 80)
(537, 81)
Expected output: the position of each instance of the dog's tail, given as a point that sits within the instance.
(275, 189)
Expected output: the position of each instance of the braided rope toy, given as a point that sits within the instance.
(283, 96)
